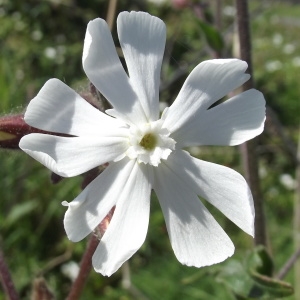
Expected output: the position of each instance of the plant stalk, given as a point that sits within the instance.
(6, 279)
(248, 149)
(297, 224)
(85, 268)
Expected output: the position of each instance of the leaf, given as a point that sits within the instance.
(18, 211)
(212, 36)
(253, 280)
(261, 261)
(260, 268)
(236, 279)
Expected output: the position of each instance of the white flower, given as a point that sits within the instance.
(70, 270)
(144, 151)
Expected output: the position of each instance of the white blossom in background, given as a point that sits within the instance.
(289, 48)
(288, 181)
(71, 270)
(50, 53)
(36, 35)
(296, 61)
(144, 150)
(229, 11)
(273, 65)
(277, 39)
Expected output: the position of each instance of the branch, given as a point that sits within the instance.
(288, 265)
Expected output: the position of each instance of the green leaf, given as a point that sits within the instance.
(236, 278)
(253, 280)
(18, 211)
(212, 36)
(261, 261)
(260, 268)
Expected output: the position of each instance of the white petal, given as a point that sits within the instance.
(197, 239)
(223, 187)
(232, 122)
(92, 205)
(142, 38)
(207, 83)
(103, 67)
(128, 227)
(58, 108)
(71, 156)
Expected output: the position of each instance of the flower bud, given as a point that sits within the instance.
(12, 129)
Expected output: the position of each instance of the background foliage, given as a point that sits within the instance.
(44, 39)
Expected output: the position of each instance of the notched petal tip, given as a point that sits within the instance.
(31, 107)
(208, 82)
(134, 14)
(92, 26)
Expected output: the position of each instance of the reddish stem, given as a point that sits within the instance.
(6, 279)
(249, 149)
(86, 261)
(85, 268)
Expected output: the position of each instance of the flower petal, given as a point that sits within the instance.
(142, 39)
(128, 227)
(197, 239)
(232, 122)
(71, 156)
(58, 108)
(103, 67)
(207, 83)
(92, 205)
(223, 187)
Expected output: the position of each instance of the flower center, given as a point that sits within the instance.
(149, 143)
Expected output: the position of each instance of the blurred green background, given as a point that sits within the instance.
(44, 39)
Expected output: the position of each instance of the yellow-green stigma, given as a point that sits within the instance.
(149, 141)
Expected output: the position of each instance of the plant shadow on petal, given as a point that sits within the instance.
(190, 225)
(107, 74)
(219, 187)
(229, 123)
(83, 216)
(100, 257)
(94, 203)
(179, 200)
(196, 237)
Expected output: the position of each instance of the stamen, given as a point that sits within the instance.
(149, 141)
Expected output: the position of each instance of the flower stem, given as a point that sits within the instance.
(85, 268)
(249, 149)
(111, 13)
(6, 280)
(297, 223)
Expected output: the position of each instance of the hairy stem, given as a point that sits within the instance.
(248, 149)
(85, 268)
